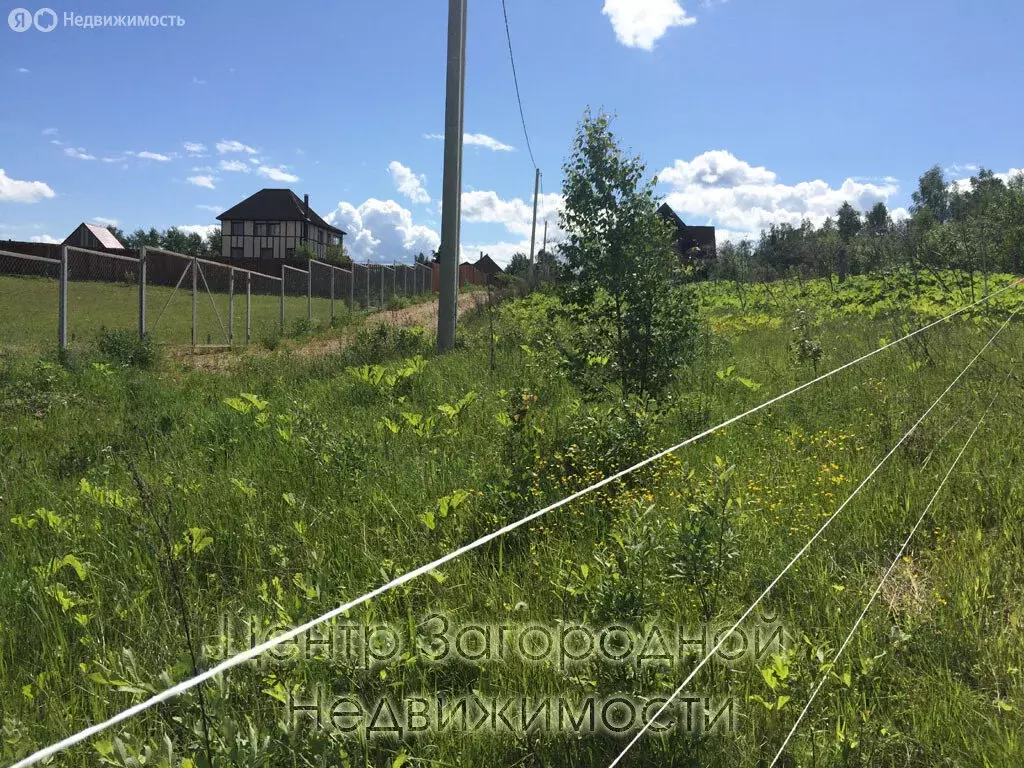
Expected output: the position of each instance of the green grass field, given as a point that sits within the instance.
(28, 313)
(141, 507)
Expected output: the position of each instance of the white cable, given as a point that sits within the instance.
(725, 636)
(831, 665)
(291, 634)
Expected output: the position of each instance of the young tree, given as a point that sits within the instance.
(624, 278)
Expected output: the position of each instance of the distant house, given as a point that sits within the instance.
(488, 266)
(94, 237)
(271, 224)
(695, 245)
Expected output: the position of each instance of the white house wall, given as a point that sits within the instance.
(277, 247)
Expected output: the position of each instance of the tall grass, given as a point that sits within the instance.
(287, 485)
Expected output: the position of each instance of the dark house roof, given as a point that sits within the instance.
(688, 238)
(93, 236)
(488, 266)
(276, 205)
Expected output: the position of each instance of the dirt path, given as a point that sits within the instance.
(418, 315)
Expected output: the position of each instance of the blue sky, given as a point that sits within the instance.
(750, 111)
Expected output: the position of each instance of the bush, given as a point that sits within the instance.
(126, 348)
(271, 337)
(383, 342)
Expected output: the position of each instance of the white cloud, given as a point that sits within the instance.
(408, 183)
(382, 230)
(254, 160)
(515, 215)
(212, 208)
(477, 140)
(23, 71)
(235, 166)
(151, 156)
(112, 159)
(50, 131)
(641, 23)
(14, 191)
(45, 239)
(197, 81)
(194, 147)
(202, 181)
(202, 229)
(234, 146)
(78, 154)
(747, 199)
(105, 221)
(277, 174)
(485, 141)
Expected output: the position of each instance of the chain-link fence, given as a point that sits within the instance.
(182, 300)
(29, 302)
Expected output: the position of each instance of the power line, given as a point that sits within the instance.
(515, 78)
(856, 625)
(257, 650)
(726, 635)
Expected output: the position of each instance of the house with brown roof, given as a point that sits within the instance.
(696, 246)
(271, 224)
(488, 266)
(94, 237)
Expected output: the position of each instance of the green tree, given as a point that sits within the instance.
(877, 222)
(519, 265)
(849, 223)
(624, 278)
(336, 254)
(174, 240)
(933, 193)
(214, 245)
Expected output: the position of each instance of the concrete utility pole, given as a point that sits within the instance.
(451, 213)
(533, 235)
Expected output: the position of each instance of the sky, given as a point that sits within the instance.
(750, 112)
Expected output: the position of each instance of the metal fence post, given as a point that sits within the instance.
(332, 294)
(394, 280)
(142, 292)
(248, 307)
(231, 306)
(382, 286)
(62, 300)
(367, 286)
(195, 304)
(283, 272)
(309, 292)
(352, 288)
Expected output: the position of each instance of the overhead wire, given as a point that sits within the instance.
(515, 79)
(803, 550)
(899, 555)
(284, 637)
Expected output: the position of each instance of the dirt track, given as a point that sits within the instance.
(421, 315)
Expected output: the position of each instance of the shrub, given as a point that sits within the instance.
(126, 348)
(271, 337)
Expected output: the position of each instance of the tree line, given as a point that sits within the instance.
(969, 227)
